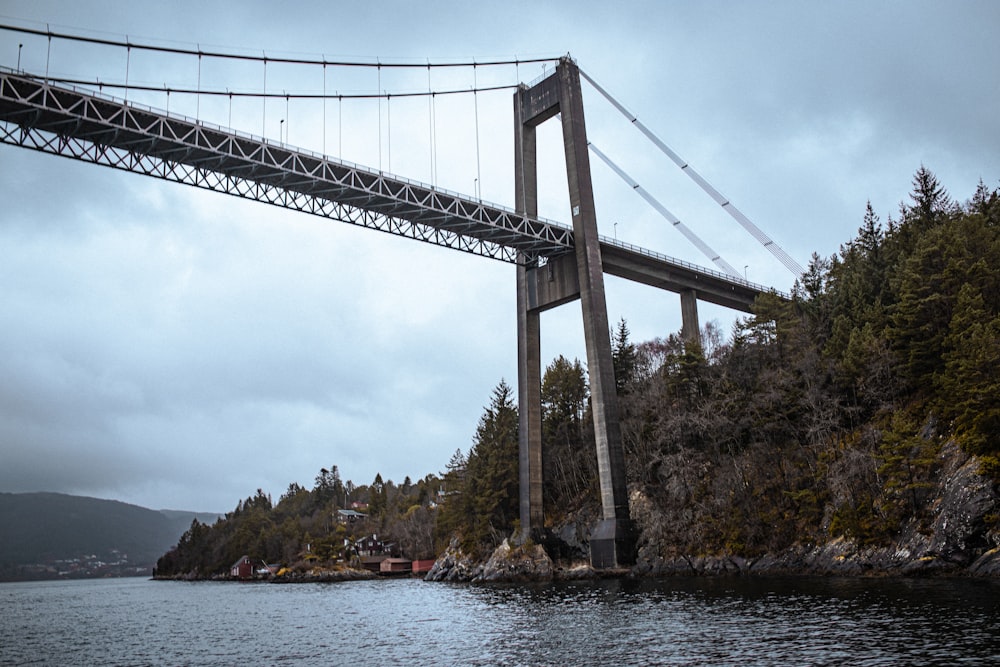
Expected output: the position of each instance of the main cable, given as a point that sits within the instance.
(287, 60)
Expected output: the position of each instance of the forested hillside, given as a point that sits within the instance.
(303, 529)
(39, 529)
(844, 412)
(848, 412)
(827, 415)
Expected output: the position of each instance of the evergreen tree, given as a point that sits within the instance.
(930, 200)
(328, 489)
(378, 500)
(623, 357)
(969, 386)
(569, 463)
(491, 484)
(986, 202)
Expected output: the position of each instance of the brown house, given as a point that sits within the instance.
(242, 569)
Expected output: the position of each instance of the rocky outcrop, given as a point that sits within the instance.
(528, 562)
(956, 539)
(510, 563)
(454, 565)
(987, 565)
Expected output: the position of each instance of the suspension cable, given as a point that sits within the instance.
(286, 60)
(738, 215)
(670, 217)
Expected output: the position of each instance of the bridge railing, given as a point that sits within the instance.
(689, 266)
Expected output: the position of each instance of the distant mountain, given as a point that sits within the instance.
(47, 535)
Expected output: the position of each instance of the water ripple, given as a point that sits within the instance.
(681, 621)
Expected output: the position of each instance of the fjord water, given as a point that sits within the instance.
(680, 621)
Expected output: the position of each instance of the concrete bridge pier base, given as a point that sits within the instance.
(612, 544)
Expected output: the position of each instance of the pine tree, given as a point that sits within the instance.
(491, 484)
(623, 357)
(930, 200)
(969, 386)
(568, 463)
(378, 502)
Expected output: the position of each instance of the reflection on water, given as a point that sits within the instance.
(681, 621)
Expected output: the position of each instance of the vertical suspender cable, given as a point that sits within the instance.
(475, 98)
(48, 53)
(263, 117)
(197, 106)
(388, 131)
(324, 106)
(128, 62)
(379, 95)
(430, 122)
(434, 126)
(737, 215)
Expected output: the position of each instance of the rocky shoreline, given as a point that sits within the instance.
(837, 558)
(961, 538)
(958, 536)
(531, 563)
(315, 575)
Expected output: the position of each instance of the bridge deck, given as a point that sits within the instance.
(89, 126)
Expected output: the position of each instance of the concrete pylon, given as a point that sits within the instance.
(612, 541)
(690, 329)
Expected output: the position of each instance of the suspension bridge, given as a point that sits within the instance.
(555, 263)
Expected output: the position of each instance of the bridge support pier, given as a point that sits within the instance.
(690, 329)
(612, 543)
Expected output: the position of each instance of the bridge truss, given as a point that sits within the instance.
(84, 125)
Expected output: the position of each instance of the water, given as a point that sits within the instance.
(684, 621)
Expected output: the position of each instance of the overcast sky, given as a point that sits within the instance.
(175, 348)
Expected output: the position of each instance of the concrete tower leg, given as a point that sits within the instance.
(529, 397)
(612, 541)
(529, 367)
